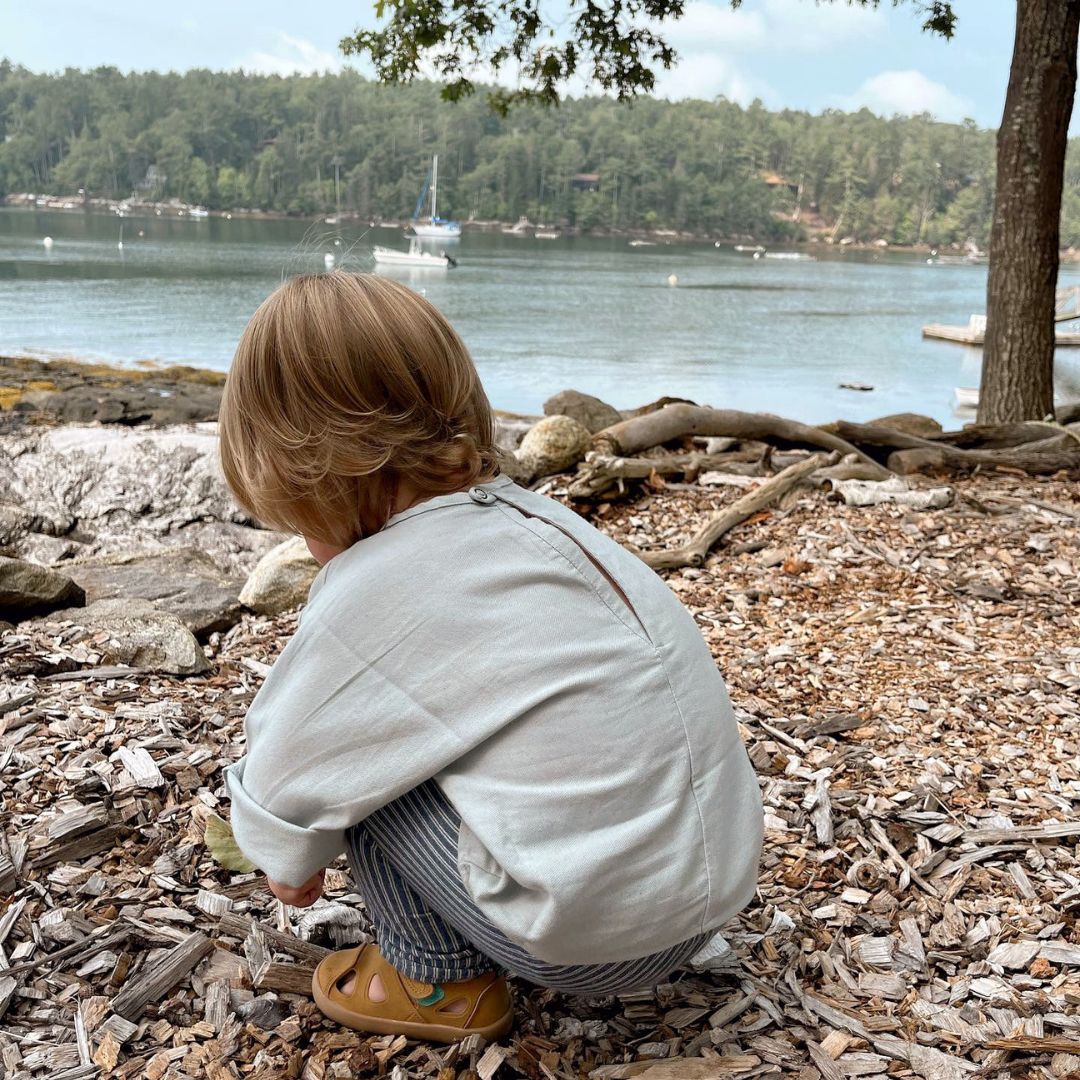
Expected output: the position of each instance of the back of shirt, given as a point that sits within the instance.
(557, 691)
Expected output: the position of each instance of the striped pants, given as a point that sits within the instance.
(404, 859)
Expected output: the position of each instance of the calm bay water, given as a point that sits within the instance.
(538, 315)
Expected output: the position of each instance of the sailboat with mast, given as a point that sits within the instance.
(434, 228)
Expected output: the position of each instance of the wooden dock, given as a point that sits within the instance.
(969, 335)
(1066, 309)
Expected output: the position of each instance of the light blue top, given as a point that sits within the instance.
(585, 737)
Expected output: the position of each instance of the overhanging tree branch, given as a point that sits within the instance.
(618, 44)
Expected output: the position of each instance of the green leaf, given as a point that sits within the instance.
(221, 844)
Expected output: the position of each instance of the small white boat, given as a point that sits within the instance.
(435, 228)
(642, 243)
(198, 212)
(792, 256)
(547, 234)
(966, 397)
(415, 256)
(745, 247)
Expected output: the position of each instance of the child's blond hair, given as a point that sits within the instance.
(342, 386)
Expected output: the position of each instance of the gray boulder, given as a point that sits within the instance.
(552, 445)
(281, 579)
(925, 427)
(26, 589)
(183, 581)
(119, 490)
(136, 633)
(115, 480)
(589, 411)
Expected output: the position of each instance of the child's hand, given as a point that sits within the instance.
(304, 896)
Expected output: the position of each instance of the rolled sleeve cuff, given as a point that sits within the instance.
(287, 853)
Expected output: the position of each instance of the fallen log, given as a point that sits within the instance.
(972, 437)
(1039, 458)
(997, 436)
(676, 421)
(696, 550)
(876, 435)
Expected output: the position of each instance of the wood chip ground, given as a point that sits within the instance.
(908, 686)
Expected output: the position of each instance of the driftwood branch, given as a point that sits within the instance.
(602, 473)
(695, 552)
(677, 421)
(1045, 456)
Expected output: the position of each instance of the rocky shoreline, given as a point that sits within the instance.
(110, 490)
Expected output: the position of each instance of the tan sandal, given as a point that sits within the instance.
(361, 990)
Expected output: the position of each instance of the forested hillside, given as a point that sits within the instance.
(229, 140)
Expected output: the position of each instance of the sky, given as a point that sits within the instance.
(790, 53)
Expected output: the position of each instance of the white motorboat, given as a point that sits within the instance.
(966, 398)
(752, 248)
(415, 257)
(434, 228)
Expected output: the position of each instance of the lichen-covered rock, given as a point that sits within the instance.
(117, 490)
(589, 411)
(26, 589)
(553, 445)
(281, 579)
(184, 581)
(136, 633)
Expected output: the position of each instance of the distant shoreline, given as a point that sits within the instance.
(175, 209)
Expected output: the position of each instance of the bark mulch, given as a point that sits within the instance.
(908, 686)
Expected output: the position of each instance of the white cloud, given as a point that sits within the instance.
(707, 26)
(708, 38)
(701, 75)
(908, 92)
(713, 42)
(808, 26)
(291, 56)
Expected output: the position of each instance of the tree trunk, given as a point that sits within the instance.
(1018, 358)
